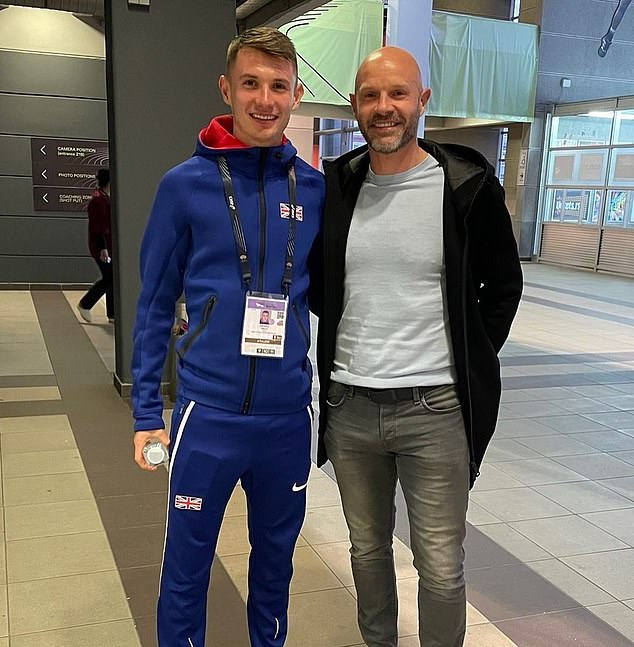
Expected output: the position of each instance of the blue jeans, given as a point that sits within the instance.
(422, 443)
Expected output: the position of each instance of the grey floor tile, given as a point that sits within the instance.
(595, 390)
(30, 559)
(573, 424)
(570, 582)
(540, 471)
(29, 393)
(48, 519)
(612, 571)
(514, 542)
(584, 405)
(624, 402)
(584, 496)
(477, 515)
(617, 615)
(619, 523)
(597, 466)
(44, 605)
(495, 593)
(606, 441)
(564, 536)
(537, 409)
(307, 612)
(615, 420)
(37, 441)
(492, 478)
(42, 462)
(121, 633)
(573, 628)
(628, 456)
(557, 445)
(507, 449)
(519, 428)
(623, 486)
(30, 490)
(34, 423)
(517, 503)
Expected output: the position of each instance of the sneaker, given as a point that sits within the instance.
(85, 313)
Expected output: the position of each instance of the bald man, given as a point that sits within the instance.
(417, 232)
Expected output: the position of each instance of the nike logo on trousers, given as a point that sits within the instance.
(299, 488)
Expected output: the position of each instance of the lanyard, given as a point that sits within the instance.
(238, 232)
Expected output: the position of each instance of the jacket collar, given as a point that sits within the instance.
(465, 169)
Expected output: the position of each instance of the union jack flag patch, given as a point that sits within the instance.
(285, 211)
(188, 502)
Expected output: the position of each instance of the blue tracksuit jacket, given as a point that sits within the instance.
(189, 245)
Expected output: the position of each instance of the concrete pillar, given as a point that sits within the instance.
(525, 144)
(409, 27)
(163, 62)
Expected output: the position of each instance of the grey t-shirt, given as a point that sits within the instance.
(394, 330)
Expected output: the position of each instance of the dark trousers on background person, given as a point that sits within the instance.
(420, 442)
(99, 288)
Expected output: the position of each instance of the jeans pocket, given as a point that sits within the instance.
(441, 399)
(337, 394)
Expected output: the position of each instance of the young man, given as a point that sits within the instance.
(223, 230)
(100, 246)
(420, 232)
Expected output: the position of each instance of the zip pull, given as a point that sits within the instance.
(475, 472)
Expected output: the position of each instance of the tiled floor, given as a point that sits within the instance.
(550, 547)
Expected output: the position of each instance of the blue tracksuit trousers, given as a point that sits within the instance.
(211, 450)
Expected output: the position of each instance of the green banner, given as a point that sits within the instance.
(482, 68)
(331, 42)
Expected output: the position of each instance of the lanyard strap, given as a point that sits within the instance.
(287, 278)
(238, 232)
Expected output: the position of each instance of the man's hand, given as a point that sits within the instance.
(104, 257)
(141, 439)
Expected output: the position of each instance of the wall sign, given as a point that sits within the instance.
(63, 172)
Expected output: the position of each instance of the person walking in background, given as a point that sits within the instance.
(233, 227)
(100, 246)
(617, 17)
(418, 231)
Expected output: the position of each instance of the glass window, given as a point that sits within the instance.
(562, 168)
(622, 167)
(578, 168)
(554, 205)
(592, 129)
(572, 205)
(618, 212)
(624, 127)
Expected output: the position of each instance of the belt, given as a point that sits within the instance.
(385, 396)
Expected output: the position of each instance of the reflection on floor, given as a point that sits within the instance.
(550, 549)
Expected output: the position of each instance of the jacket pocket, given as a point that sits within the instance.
(193, 336)
(441, 399)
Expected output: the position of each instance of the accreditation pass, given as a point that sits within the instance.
(264, 326)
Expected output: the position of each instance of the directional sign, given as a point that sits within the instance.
(60, 199)
(57, 175)
(69, 151)
(63, 172)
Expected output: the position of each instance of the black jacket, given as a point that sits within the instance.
(483, 273)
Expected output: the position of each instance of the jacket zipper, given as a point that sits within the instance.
(246, 404)
(191, 338)
(301, 326)
(473, 466)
